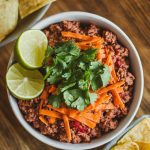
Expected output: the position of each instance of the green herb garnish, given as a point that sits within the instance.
(74, 72)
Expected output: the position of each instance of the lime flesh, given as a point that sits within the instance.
(23, 83)
(30, 48)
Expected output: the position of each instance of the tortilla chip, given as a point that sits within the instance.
(143, 145)
(126, 146)
(141, 132)
(27, 7)
(8, 17)
(137, 137)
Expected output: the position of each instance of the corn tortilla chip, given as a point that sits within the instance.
(26, 7)
(137, 137)
(141, 132)
(8, 17)
(143, 145)
(126, 146)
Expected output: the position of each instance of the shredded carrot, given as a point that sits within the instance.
(108, 60)
(67, 127)
(92, 40)
(44, 94)
(95, 117)
(50, 113)
(62, 110)
(42, 119)
(113, 73)
(83, 47)
(117, 100)
(105, 106)
(85, 121)
(73, 112)
(106, 51)
(110, 87)
(41, 103)
(119, 89)
(52, 120)
(102, 100)
(75, 35)
(98, 56)
(52, 89)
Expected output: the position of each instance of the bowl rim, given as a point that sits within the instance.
(62, 145)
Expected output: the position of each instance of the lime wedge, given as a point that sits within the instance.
(24, 84)
(30, 48)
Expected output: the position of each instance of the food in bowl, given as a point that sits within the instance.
(88, 84)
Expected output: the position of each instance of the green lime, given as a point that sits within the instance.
(24, 84)
(30, 48)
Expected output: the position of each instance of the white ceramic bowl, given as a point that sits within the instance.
(136, 67)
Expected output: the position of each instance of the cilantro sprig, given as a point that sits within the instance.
(74, 72)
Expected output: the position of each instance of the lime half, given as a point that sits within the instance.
(24, 84)
(30, 48)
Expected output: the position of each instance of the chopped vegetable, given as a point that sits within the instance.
(92, 40)
(44, 94)
(52, 120)
(119, 89)
(75, 35)
(110, 87)
(42, 119)
(85, 121)
(105, 106)
(67, 127)
(95, 117)
(50, 113)
(52, 89)
(41, 103)
(117, 100)
(62, 110)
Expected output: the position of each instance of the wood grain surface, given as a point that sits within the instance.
(133, 16)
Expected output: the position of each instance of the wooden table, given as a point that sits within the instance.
(133, 16)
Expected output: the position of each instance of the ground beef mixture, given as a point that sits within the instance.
(110, 118)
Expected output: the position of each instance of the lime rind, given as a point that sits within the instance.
(21, 83)
(30, 49)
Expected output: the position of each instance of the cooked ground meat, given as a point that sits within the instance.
(110, 118)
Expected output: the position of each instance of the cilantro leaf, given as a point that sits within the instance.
(67, 86)
(83, 85)
(79, 104)
(54, 100)
(61, 62)
(76, 93)
(82, 65)
(94, 65)
(96, 83)
(105, 77)
(66, 75)
(93, 97)
(89, 55)
(68, 98)
(68, 47)
(48, 54)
